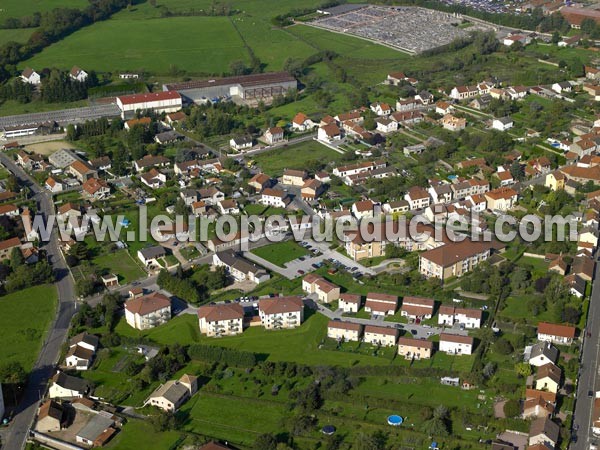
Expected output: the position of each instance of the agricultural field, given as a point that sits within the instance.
(280, 253)
(24, 319)
(19, 8)
(206, 45)
(15, 35)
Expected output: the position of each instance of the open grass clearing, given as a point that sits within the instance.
(25, 317)
(280, 253)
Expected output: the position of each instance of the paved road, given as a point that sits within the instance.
(589, 380)
(44, 366)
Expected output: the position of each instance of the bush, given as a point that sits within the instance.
(512, 408)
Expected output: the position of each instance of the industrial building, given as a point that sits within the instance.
(159, 102)
(248, 88)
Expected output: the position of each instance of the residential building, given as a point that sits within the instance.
(223, 319)
(148, 311)
(228, 206)
(537, 408)
(380, 336)
(150, 256)
(453, 259)
(150, 161)
(294, 177)
(170, 396)
(96, 189)
(301, 122)
(385, 125)
(50, 417)
(415, 348)
(545, 432)
(326, 291)
(7, 246)
(381, 109)
(78, 74)
(329, 133)
(502, 123)
(556, 334)
(311, 190)
(417, 308)
(453, 123)
(501, 199)
(281, 312)
(365, 209)
(66, 387)
(81, 171)
(417, 198)
(241, 143)
(274, 197)
(239, 268)
(455, 344)
(344, 331)
(260, 181)
(555, 181)
(153, 179)
(548, 378)
(274, 135)
(31, 76)
(349, 303)
(79, 358)
(381, 304)
(469, 318)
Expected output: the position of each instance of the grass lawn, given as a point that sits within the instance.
(294, 157)
(13, 107)
(24, 319)
(280, 253)
(121, 264)
(138, 434)
(206, 46)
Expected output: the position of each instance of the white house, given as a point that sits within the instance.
(417, 308)
(153, 179)
(150, 256)
(241, 143)
(557, 334)
(381, 109)
(274, 135)
(301, 122)
(349, 303)
(78, 74)
(239, 268)
(326, 292)
(273, 197)
(385, 125)
(148, 311)
(170, 396)
(66, 386)
(469, 318)
(382, 336)
(562, 87)
(541, 353)
(31, 76)
(329, 133)
(344, 331)
(455, 344)
(502, 124)
(381, 304)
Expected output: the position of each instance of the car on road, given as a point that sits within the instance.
(314, 265)
(301, 272)
(413, 332)
(430, 333)
(591, 394)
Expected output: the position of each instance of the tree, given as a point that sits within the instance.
(512, 408)
(238, 68)
(265, 442)
(16, 258)
(523, 369)
(85, 287)
(503, 346)
(12, 184)
(12, 373)
(374, 441)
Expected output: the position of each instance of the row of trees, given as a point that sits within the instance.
(193, 285)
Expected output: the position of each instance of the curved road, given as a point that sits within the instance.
(43, 369)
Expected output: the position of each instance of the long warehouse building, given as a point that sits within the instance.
(159, 102)
(262, 86)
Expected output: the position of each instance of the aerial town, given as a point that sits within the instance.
(270, 225)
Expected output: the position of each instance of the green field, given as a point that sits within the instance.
(19, 8)
(280, 253)
(140, 434)
(17, 35)
(294, 157)
(121, 264)
(24, 319)
(202, 45)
